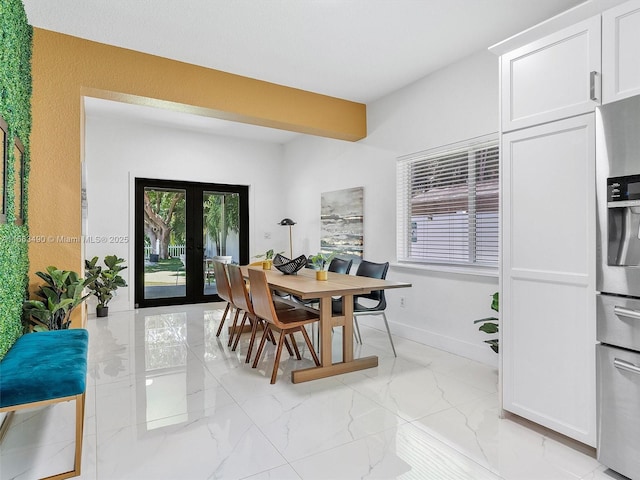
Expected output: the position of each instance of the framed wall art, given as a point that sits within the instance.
(342, 223)
(18, 186)
(4, 132)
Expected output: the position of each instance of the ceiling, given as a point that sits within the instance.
(358, 50)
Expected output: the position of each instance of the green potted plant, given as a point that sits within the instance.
(107, 280)
(59, 296)
(267, 263)
(490, 324)
(321, 262)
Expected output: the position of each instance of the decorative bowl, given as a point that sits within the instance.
(287, 266)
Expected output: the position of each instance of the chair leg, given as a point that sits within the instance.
(239, 334)
(224, 317)
(389, 333)
(276, 361)
(311, 349)
(265, 334)
(286, 344)
(295, 346)
(254, 331)
(233, 327)
(272, 339)
(357, 329)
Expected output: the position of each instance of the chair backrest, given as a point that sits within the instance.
(338, 265)
(374, 270)
(222, 282)
(239, 289)
(261, 297)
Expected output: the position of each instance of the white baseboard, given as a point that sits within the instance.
(480, 353)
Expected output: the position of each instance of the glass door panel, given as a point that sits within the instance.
(180, 229)
(164, 243)
(221, 233)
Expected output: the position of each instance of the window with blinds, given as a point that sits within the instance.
(448, 203)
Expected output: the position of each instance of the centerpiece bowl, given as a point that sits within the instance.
(288, 266)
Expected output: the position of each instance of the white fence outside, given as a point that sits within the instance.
(174, 250)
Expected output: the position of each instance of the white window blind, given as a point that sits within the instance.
(448, 204)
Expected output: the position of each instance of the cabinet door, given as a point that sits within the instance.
(548, 278)
(553, 78)
(621, 52)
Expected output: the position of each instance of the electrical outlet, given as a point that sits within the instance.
(403, 302)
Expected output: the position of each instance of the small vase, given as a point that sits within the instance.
(102, 311)
(266, 264)
(321, 275)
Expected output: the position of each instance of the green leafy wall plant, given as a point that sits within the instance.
(15, 108)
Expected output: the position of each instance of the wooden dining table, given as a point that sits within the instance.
(305, 286)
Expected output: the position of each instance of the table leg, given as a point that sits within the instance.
(326, 355)
(347, 330)
(348, 364)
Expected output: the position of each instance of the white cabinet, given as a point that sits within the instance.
(548, 275)
(621, 52)
(553, 78)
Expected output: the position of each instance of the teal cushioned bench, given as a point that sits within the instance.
(44, 368)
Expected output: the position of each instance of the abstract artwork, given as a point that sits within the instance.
(341, 222)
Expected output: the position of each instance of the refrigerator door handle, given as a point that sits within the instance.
(626, 366)
(626, 312)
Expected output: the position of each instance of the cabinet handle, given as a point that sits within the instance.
(593, 90)
(626, 366)
(626, 312)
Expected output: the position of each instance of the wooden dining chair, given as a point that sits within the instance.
(242, 301)
(224, 292)
(286, 322)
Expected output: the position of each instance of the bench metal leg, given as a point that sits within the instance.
(80, 399)
(5, 424)
(80, 404)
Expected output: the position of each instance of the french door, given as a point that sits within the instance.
(180, 229)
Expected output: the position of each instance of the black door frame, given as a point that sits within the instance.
(193, 234)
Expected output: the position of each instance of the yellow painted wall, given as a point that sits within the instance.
(66, 68)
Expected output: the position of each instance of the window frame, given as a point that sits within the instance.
(406, 187)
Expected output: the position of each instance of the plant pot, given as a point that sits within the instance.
(226, 259)
(266, 264)
(102, 311)
(321, 275)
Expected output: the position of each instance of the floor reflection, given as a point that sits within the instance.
(164, 394)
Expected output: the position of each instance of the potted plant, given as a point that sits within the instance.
(321, 262)
(490, 324)
(267, 263)
(59, 296)
(107, 280)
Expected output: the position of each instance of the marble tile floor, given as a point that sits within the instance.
(166, 399)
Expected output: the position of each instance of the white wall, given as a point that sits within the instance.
(456, 103)
(116, 151)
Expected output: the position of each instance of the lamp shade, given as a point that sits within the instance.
(286, 221)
